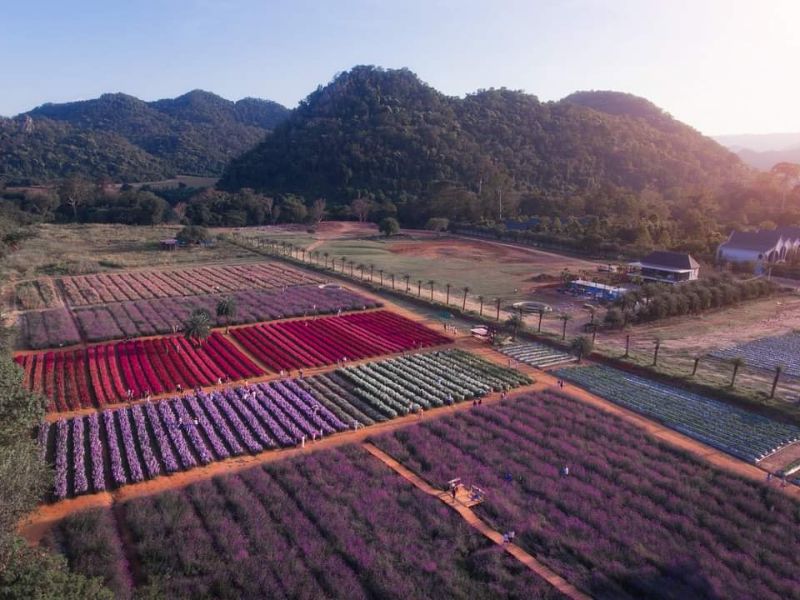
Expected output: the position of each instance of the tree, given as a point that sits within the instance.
(389, 226)
(789, 176)
(430, 283)
(193, 234)
(540, 312)
(513, 323)
(197, 327)
(407, 278)
(360, 207)
(226, 309)
(74, 192)
(778, 371)
(41, 202)
(656, 348)
(480, 311)
(317, 211)
(564, 318)
(498, 301)
(447, 294)
(696, 364)
(293, 209)
(437, 224)
(419, 288)
(581, 346)
(737, 362)
(464, 300)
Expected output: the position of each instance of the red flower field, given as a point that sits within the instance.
(103, 374)
(318, 342)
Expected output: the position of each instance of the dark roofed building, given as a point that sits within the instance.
(663, 266)
(759, 247)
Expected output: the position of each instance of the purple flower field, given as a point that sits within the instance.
(47, 329)
(334, 524)
(633, 518)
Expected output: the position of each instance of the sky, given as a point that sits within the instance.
(722, 66)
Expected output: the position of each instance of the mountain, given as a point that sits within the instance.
(764, 151)
(387, 133)
(128, 139)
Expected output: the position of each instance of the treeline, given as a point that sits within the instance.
(658, 301)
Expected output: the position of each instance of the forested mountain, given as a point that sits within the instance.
(386, 133)
(127, 139)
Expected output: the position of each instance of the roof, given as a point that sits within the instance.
(670, 260)
(791, 233)
(753, 240)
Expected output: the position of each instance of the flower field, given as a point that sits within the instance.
(633, 518)
(332, 524)
(103, 374)
(140, 285)
(536, 355)
(158, 316)
(312, 343)
(768, 353)
(745, 435)
(131, 444)
(47, 328)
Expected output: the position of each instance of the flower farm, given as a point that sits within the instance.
(768, 353)
(103, 374)
(134, 443)
(745, 435)
(317, 342)
(536, 355)
(334, 524)
(632, 517)
(140, 285)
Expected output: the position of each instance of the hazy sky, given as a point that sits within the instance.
(723, 66)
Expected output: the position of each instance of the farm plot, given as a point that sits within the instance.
(536, 355)
(318, 342)
(767, 353)
(34, 295)
(142, 285)
(47, 329)
(742, 434)
(131, 444)
(165, 315)
(105, 374)
(632, 518)
(333, 524)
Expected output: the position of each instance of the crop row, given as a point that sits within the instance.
(110, 373)
(742, 434)
(768, 353)
(324, 341)
(138, 285)
(165, 315)
(47, 329)
(632, 518)
(146, 440)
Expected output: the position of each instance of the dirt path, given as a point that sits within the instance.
(476, 522)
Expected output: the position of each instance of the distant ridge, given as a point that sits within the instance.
(127, 139)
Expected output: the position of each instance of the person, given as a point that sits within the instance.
(453, 491)
(474, 402)
(196, 422)
(505, 538)
(783, 481)
(301, 373)
(179, 388)
(480, 401)
(565, 471)
(511, 536)
(769, 476)
(219, 380)
(303, 441)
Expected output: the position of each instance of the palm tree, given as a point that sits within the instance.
(407, 278)
(497, 302)
(351, 264)
(326, 255)
(464, 301)
(480, 311)
(447, 295)
(696, 364)
(360, 268)
(430, 283)
(657, 346)
(419, 288)
(594, 333)
(392, 276)
(564, 318)
(514, 322)
(303, 252)
(778, 371)
(737, 362)
(540, 312)
(627, 346)
(371, 269)
(226, 309)
(344, 263)
(197, 327)
(581, 346)
(380, 272)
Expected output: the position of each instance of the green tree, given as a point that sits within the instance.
(193, 234)
(564, 319)
(513, 324)
(226, 309)
(389, 226)
(737, 363)
(581, 346)
(197, 327)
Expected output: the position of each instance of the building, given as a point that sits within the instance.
(662, 266)
(761, 247)
(598, 291)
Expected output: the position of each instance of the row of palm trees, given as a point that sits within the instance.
(197, 326)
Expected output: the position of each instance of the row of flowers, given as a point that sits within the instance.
(111, 373)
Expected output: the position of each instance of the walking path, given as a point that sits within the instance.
(476, 522)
